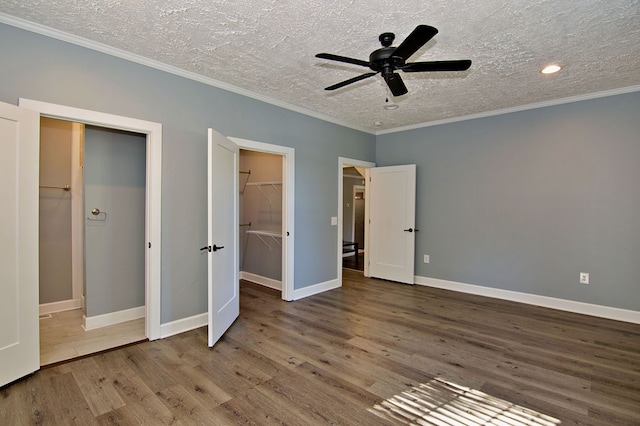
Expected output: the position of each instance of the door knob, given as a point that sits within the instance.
(408, 230)
(208, 248)
(216, 248)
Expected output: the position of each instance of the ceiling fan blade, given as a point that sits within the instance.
(351, 80)
(339, 58)
(418, 38)
(460, 65)
(395, 83)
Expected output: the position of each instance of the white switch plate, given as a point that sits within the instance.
(426, 258)
(584, 278)
(334, 220)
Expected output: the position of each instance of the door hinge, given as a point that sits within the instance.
(149, 244)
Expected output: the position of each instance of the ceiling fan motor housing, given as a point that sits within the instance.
(383, 60)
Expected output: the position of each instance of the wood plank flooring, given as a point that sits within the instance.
(354, 262)
(62, 336)
(370, 353)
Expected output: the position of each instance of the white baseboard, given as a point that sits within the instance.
(200, 320)
(532, 299)
(182, 325)
(112, 318)
(64, 305)
(315, 289)
(258, 279)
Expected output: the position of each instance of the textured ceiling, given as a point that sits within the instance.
(267, 47)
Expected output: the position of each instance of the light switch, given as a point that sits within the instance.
(334, 220)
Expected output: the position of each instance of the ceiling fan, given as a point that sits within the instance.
(389, 59)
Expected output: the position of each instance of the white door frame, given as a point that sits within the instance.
(343, 161)
(288, 200)
(153, 209)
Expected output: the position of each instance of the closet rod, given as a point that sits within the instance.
(245, 224)
(66, 187)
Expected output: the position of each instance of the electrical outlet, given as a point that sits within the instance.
(584, 278)
(426, 258)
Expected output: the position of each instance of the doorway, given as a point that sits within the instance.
(89, 303)
(353, 218)
(275, 213)
(352, 215)
(261, 207)
(222, 249)
(353, 231)
(152, 134)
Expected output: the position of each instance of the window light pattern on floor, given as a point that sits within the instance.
(447, 404)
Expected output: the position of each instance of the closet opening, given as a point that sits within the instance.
(353, 240)
(262, 219)
(91, 239)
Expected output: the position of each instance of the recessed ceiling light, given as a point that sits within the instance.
(377, 123)
(390, 107)
(550, 69)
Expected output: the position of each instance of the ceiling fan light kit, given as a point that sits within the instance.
(388, 59)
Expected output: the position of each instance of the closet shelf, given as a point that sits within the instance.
(259, 185)
(274, 236)
(275, 182)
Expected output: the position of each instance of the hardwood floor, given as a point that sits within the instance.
(370, 353)
(62, 336)
(354, 262)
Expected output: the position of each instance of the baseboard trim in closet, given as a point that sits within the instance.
(301, 293)
(63, 305)
(258, 279)
(182, 325)
(112, 318)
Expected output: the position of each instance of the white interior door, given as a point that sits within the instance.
(223, 283)
(19, 160)
(392, 206)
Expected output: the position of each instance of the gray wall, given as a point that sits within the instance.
(55, 211)
(528, 200)
(114, 182)
(44, 69)
(264, 211)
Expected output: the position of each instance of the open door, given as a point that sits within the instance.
(392, 206)
(19, 161)
(223, 283)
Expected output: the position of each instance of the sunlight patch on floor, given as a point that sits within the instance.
(442, 403)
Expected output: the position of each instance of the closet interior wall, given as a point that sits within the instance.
(260, 183)
(55, 267)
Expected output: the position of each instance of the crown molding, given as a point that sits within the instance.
(553, 102)
(132, 57)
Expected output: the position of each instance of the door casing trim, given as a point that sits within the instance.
(342, 162)
(153, 201)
